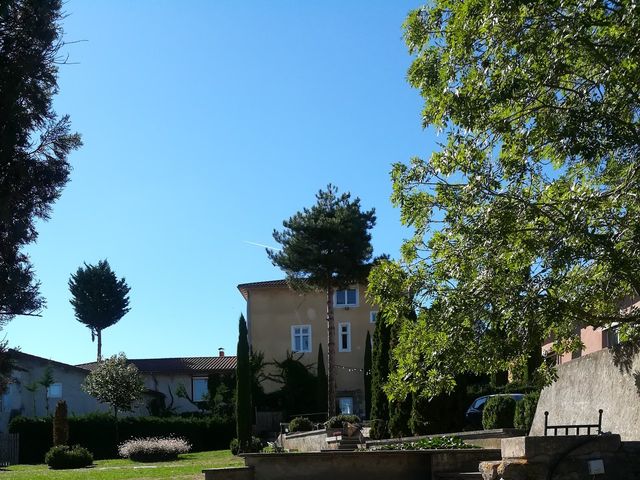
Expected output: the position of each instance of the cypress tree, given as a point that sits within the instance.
(60, 424)
(243, 388)
(322, 386)
(399, 410)
(379, 373)
(367, 375)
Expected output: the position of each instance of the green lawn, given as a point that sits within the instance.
(189, 467)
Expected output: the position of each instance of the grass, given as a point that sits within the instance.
(188, 467)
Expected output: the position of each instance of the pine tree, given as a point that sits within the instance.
(243, 388)
(379, 374)
(367, 375)
(326, 247)
(321, 381)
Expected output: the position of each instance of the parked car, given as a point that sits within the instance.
(473, 416)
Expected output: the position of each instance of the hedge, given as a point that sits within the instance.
(499, 412)
(525, 411)
(96, 432)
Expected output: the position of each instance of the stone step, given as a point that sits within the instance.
(458, 476)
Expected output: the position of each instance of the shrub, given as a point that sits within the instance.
(338, 420)
(525, 411)
(63, 456)
(96, 431)
(255, 446)
(300, 424)
(60, 424)
(433, 443)
(499, 412)
(273, 447)
(153, 449)
(378, 429)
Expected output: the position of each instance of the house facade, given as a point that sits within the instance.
(164, 377)
(26, 396)
(281, 320)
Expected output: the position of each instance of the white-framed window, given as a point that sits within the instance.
(373, 316)
(301, 338)
(344, 337)
(54, 390)
(346, 298)
(200, 388)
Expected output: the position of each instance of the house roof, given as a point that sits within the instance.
(189, 365)
(245, 287)
(18, 355)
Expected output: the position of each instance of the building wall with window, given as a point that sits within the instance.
(281, 320)
(26, 397)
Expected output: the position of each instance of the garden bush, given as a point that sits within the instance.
(433, 443)
(378, 429)
(300, 424)
(153, 449)
(255, 446)
(525, 411)
(499, 412)
(62, 457)
(338, 420)
(96, 431)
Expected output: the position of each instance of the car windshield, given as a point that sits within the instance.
(479, 402)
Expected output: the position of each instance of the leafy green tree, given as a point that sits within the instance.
(32, 387)
(99, 298)
(243, 388)
(298, 392)
(46, 381)
(34, 143)
(321, 382)
(367, 375)
(117, 383)
(526, 219)
(327, 246)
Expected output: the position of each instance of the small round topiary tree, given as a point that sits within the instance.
(300, 424)
(525, 411)
(499, 412)
(60, 424)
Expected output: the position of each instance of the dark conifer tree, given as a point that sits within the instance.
(243, 388)
(379, 374)
(367, 375)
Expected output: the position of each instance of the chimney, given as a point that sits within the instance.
(221, 352)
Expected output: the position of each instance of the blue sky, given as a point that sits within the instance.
(205, 124)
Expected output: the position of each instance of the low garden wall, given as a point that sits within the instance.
(377, 465)
(314, 441)
(479, 438)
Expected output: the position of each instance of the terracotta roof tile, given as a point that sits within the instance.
(179, 365)
(244, 287)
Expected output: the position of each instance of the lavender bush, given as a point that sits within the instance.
(153, 449)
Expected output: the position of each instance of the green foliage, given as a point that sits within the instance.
(255, 445)
(98, 298)
(222, 394)
(46, 381)
(525, 411)
(116, 383)
(273, 447)
(63, 457)
(243, 388)
(434, 443)
(34, 143)
(324, 247)
(379, 374)
(321, 382)
(526, 220)
(368, 364)
(97, 433)
(499, 412)
(300, 424)
(299, 385)
(338, 421)
(60, 424)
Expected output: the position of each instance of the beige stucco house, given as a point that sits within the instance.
(281, 320)
(25, 396)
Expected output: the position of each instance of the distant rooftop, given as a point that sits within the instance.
(188, 365)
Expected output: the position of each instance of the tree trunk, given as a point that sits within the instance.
(99, 333)
(331, 347)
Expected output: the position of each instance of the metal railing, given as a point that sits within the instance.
(577, 428)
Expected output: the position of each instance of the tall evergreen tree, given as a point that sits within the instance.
(379, 374)
(98, 298)
(367, 375)
(399, 409)
(321, 394)
(243, 388)
(34, 142)
(325, 247)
